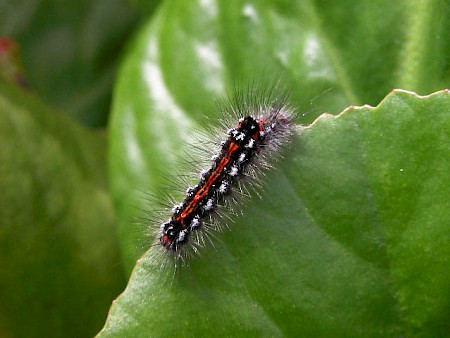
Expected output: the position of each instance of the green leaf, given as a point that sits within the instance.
(59, 266)
(350, 239)
(71, 50)
(352, 230)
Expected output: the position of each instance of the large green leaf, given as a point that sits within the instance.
(351, 238)
(352, 230)
(59, 267)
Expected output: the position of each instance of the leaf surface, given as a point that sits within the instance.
(351, 235)
(59, 264)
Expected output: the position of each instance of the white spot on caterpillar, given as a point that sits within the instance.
(234, 171)
(250, 144)
(182, 235)
(177, 207)
(223, 187)
(163, 225)
(209, 205)
(195, 223)
(203, 173)
(240, 137)
(190, 190)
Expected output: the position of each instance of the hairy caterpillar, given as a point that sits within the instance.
(263, 123)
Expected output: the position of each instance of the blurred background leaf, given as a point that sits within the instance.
(59, 262)
(71, 49)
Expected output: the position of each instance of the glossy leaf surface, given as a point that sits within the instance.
(351, 229)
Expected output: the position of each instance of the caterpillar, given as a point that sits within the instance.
(263, 123)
